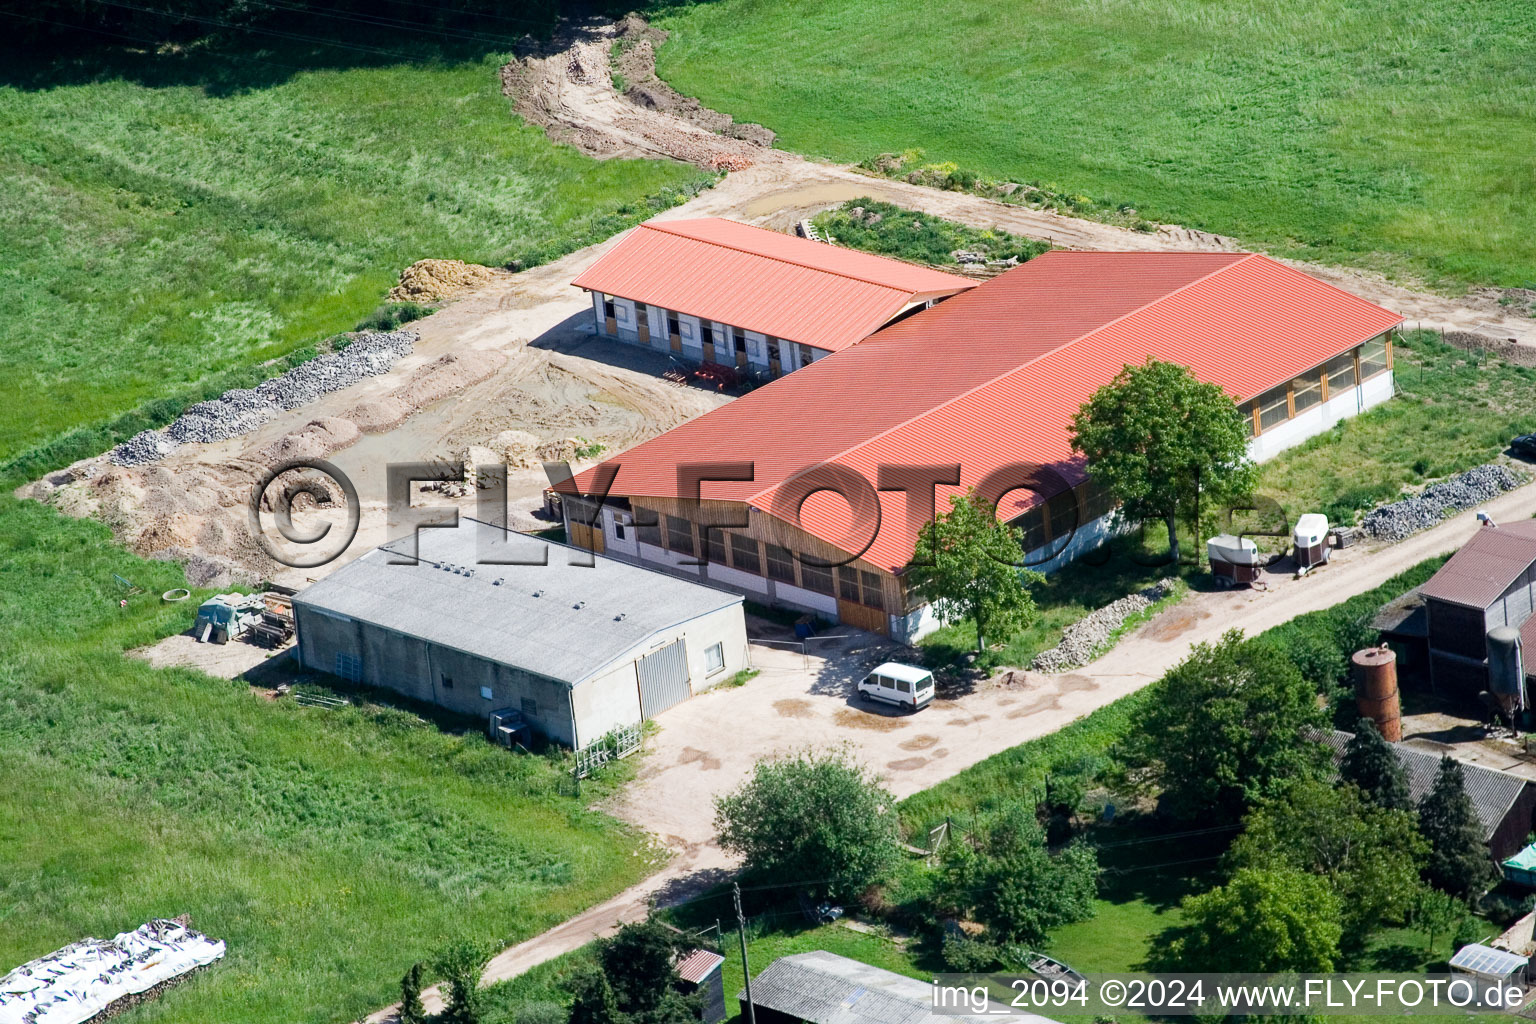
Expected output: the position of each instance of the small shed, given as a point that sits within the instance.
(1490, 968)
(824, 988)
(700, 972)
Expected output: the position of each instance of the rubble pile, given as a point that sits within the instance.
(1086, 637)
(242, 410)
(1404, 518)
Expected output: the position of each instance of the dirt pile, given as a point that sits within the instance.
(567, 88)
(432, 281)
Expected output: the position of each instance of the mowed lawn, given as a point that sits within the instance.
(1396, 134)
(155, 234)
(329, 849)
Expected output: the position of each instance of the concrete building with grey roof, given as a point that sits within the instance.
(482, 619)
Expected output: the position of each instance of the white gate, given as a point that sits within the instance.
(663, 679)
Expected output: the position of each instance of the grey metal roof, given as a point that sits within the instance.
(825, 988)
(1405, 616)
(561, 621)
(1493, 792)
(1490, 560)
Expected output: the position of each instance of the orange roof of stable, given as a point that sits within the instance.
(760, 280)
(992, 377)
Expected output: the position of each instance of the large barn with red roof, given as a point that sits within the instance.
(717, 291)
(977, 391)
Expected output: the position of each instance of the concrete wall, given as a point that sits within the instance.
(424, 672)
(1321, 417)
(605, 703)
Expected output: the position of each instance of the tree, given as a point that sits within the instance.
(1013, 884)
(635, 980)
(816, 820)
(1230, 725)
(1436, 913)
(411, 1010)
(1157, 439)
(1372, 765)
(1370, 855)
(461, 965)
(967, 565)
(1265, 920)
(1458, 861)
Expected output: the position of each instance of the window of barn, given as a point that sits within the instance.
(848, 584)
(715, 545)
(647, 526)
(1308, 391)
(781, 564)
(1341, 373)
(744, 554)
(871, 587)
(680, 536)
(817, 578)
(1373, 357)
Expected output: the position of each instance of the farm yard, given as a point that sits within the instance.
(1392, 136)
(207, 217)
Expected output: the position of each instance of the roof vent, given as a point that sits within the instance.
(538, 593)
(579, 604)
(498, 581)
(619, 617)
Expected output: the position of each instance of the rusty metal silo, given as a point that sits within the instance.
(1376, 690)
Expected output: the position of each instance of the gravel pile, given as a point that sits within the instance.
(244, 409)
(1084, 638)
(1405, 518)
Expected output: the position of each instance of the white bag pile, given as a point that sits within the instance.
(81, 980)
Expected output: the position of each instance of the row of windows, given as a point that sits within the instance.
(1334, 377)
(735, 338)
(746, 554)
(1061, 515)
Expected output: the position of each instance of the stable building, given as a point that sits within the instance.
(1479, 605)
(718, 291)
(816, 512)
(477, 619)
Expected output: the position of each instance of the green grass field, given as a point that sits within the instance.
(1394, 134)
(330, 849)
(158, 234)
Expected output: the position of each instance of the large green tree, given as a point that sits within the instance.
(1013, 884)
(1265, 920)
(635, 980)
(461, 965)
(968, 565)
(1160, 441)
(1370, 855)
(1372, 766)
(819, 821)
(1458, 861)
(1232, 724)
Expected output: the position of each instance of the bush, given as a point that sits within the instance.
(965, 955)
(390, 315)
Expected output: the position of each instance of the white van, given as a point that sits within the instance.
(899, 684)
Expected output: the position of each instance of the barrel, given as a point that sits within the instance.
(1376, 690)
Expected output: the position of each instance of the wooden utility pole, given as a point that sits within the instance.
(741, 931)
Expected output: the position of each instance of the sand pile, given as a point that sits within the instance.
(429, 281)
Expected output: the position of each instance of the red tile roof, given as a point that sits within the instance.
(760, 280)
(697, 965)
(1492, 559)
(993, 376)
